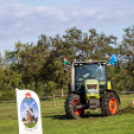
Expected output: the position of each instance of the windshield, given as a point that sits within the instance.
(86, 71)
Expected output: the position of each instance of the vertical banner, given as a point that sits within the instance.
(29, 113)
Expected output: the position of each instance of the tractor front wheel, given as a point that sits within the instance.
(70, 106)
(109, 104)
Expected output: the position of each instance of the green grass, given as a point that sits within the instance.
(30, 125)
(54, 120)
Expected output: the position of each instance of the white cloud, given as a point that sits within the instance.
(18, 21)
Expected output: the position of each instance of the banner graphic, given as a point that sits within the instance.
(29, 113)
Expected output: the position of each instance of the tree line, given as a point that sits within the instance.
(40, 67)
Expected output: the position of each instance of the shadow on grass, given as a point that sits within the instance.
(92, 115)
(57, 117)
(126, 110)
(65, 117)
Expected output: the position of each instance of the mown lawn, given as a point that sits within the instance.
(54, 120)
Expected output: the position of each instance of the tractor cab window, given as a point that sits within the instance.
(87, 71)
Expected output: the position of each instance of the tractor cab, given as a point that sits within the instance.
(84, 75)
(88, 73)
(89, 88)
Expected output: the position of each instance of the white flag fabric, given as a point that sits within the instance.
(29, 112)
(66, 61)
(66, 64)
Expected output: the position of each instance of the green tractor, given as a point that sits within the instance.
(90, 89)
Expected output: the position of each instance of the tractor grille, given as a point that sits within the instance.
(92, 86)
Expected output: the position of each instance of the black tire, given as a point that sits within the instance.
(109, 104)
(70, 103)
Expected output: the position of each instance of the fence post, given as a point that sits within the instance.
(54, 100)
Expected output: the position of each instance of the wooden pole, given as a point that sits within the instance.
(62, 93)
(54, 100)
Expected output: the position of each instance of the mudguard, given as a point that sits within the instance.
(113, 91)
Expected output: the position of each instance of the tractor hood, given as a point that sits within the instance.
(91, 88)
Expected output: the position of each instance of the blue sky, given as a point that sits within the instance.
(25, 20)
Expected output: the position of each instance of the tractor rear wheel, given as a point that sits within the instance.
(71, 102)
(109, 104)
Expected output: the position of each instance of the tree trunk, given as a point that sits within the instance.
(62, 93)
(45, 88)
(25, 85)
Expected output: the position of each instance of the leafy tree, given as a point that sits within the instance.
(41, 66)
(128, 44)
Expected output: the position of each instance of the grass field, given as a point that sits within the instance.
(55, 121)
(30, 125)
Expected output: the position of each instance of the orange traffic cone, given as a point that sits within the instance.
(132, 103)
